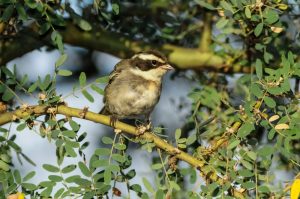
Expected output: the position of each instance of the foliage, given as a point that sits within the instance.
(244, 127)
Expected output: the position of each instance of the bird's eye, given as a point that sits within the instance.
(154, 62)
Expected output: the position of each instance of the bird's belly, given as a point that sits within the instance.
(133, 101)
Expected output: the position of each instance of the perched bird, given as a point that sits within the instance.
(134, 86)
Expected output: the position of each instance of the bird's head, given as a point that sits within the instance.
(151, 65)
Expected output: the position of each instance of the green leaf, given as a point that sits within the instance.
(245, 129)
(258, 29)
(97, 89)
(115, 8)
(21, 11)
(271, 134)
(258, 68)
(31, 4)
(174, 185)
(148, 185)
(233, 144)
(102, 80)
(131, 174)
(21, 127)
(69, 168)
(70, 151)
(51, 168)
(55, 178)
(32, 87)
(245, 173)
(61, 60)
(248, 12)
(72, 179)
(157, 166)
(107, 176)
(29, 186)
(57, 39)
(266, 151)
(267, 56)
(159, 194)
(248, 185)
(102, 151)
(17, 176)
(270, 102)
(84, 169)
(64, 73)
(227, 6)
(205, 5)
(271, 16)
(222, 23)
(120, 146)
(87, 95)
(263, 189)
(7, 95)
(107, 140)
(29, 176)
(118, 157)
(191, 139)
(136, 187)
(44, 28)
(100, 163)
(252, 155)
(84, 25)
(7, 13)
(82, 79)
(47, 192)
(177, 134)
(256, 90)
(69, 133)
(74, 125)
(59, 193)
(82, 137)
(16, 147)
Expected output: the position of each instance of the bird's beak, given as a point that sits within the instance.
(167, 67)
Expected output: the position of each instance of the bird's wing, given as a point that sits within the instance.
(117, 70)
(114, 74)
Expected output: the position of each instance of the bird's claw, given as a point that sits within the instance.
(141, 129)
(112, 121)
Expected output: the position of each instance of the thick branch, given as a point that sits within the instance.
(74, 112)
(115, 44)
(206, 34)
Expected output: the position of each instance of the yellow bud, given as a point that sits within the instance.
(295, 189)
(21, 195)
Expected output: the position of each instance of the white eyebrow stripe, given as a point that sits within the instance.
(149, 57)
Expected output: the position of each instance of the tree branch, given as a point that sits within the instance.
(79, 113)
(205, 39)
(115, 44)
(74, 112)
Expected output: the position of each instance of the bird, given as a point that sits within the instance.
(134, 87)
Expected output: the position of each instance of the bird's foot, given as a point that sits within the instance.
(112, 121)
(83, 112)
(141, 129)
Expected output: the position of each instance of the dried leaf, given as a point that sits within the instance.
(276, 29)
(282, 126)
(273, 118)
